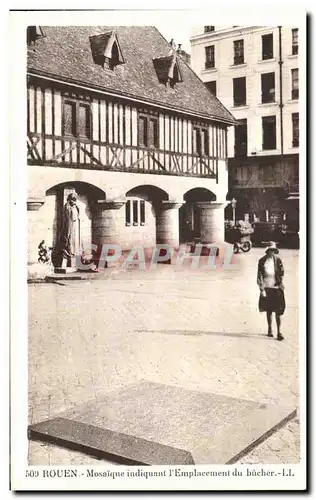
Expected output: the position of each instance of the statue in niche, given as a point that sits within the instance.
(70, 242)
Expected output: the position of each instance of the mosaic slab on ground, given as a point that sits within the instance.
(156, 424)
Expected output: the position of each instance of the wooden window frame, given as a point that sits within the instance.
(128, 218)
(239, 52)
(147, 117)
(295, 91)
(267, 95)
(266, 55)
(135, 212)
(295, 41)
(242, 148)
(295, 131)
(210, 57)
(239, 102)
(197, 148)
(265, 121)
(142, 212)
(75, 126)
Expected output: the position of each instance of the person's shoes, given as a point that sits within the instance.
(270, 334)
(280, 336)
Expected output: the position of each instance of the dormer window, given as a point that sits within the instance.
(106, 50)
(168, 70)
(33, 33)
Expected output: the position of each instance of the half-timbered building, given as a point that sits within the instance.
(117, 115)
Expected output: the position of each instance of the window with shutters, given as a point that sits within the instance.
(70, 118)
(268, 132)
(83, 124)
(200, 141)
(267, 87)
(142, 131)
(239, 91)
(148, 131)
(267, 46)
(153, 132)
(76, 118)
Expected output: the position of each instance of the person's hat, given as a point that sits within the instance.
(272, 246)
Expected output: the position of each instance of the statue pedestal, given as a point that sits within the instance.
(65, 268)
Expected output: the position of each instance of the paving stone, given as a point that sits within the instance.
(183, 327)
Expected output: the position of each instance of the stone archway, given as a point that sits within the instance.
(56, 197)
(143, 225)
(190, 213)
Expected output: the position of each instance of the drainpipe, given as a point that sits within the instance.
(281, 100)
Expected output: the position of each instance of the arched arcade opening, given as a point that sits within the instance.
(53, 214)
(142, 209)
(190, 213)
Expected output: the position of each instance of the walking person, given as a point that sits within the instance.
(270, 281)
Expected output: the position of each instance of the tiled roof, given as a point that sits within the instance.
(65, 54)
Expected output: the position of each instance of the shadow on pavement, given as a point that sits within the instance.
(197, 332)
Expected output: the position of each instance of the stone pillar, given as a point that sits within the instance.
(106, 222)
(167, 223)
(212, 221)
(33, 205)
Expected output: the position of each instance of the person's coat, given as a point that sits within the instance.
(69, 233)
(279, 272)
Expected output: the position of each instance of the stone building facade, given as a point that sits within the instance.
(117, 116)
(254, 72)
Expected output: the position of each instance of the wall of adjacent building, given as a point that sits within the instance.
(225, 71)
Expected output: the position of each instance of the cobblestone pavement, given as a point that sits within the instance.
(195, 328)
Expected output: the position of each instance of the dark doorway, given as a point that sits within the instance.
(189, 214)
